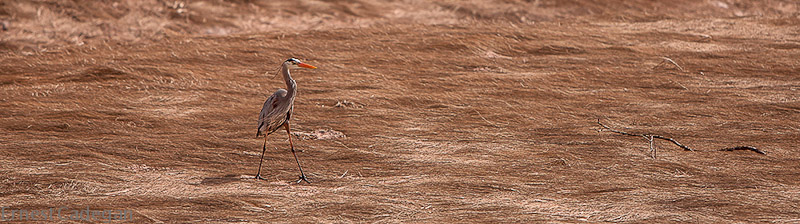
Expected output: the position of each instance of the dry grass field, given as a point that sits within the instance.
(451, 111)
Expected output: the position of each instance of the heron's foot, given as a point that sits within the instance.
(303, 178)
(259, 177)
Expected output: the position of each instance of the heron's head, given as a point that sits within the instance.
(293, 63)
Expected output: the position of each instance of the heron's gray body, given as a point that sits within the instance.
(278, 107)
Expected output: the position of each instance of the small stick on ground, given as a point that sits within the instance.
(646, 136)
(682, 86)
(652, 149)
(650, 138)
(754, 149)
(666, 59)
(484, 119)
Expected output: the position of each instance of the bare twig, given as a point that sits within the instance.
(484, 119)
(666, 59)
(754, 149)
(646, 136)
(704, 38)
(614, 130)
(652, 149)
(682, 86)
(650, 138)
(673, 141)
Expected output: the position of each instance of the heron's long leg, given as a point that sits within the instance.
(291, 144)
(258, 175)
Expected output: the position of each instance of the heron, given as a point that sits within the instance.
(277, 111)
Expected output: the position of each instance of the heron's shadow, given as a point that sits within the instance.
(220, 180)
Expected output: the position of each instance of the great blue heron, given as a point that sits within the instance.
(277, 111)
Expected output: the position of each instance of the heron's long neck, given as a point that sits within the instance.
(291, 86)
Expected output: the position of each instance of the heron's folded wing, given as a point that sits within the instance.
(269, 107)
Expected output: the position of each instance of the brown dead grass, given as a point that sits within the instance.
(454, 111)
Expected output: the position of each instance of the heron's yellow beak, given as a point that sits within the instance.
(304, 65)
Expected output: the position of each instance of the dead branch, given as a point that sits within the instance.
(652, 147)
(754, 149)
(650, 138)
(704, 38)
(673, 141)
(666, 59)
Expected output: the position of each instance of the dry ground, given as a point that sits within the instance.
(456, 111)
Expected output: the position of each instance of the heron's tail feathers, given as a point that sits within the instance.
(260, 124)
